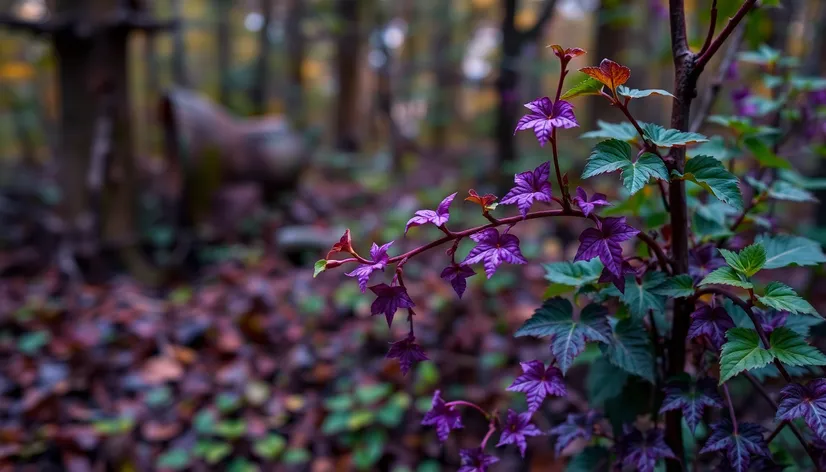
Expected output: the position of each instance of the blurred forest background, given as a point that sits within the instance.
(170, 169)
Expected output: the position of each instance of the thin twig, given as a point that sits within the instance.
(711, 27)
(702, 59)
(730, 408)
(717, 84)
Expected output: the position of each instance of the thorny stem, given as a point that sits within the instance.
(470, 405)
(511, 220)
(730, 408)
(491, 430)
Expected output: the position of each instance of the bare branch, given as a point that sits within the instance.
(717, 83)
(706, 56)
(711, 27)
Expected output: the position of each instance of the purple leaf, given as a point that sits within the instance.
(362, 272)
(457, 275)
(641, 451)
(587, 206)
(604, 242)
(516, 428)
(690, 397)
(738, 447)
(443, 417)
(388, 300)
(711, 322)
(703, 260)
(530, 186)
(475, 460)
(576, 426)
(605, 276)
(493, 249)
(408, 352)
(438, 217)
(807, 402)
(771, 319)
(545, 116)
(537, 382)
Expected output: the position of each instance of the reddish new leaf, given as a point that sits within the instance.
(484, 201)
(611, 74)
(604, 242)
(516, 428)
(345, 244)
(566, 54)
(537, 382)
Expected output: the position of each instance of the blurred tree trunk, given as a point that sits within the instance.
(781, 20)
(260, 95)
(513, 41)
(348, 45)
(443, 106)
(179, 46)
(222, 35)
(611, 44)
(296, 51)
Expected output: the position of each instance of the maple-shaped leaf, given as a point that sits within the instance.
(807, 402)
(537, 382)
(662, 137)
(457, 275)
(588, 205)
(438, 217)
(379, 262)
(484, 201)
(475, 460)
(630, 349)
(530, 186)
(408, 352)
(345, 244)
(444, 417)
(568, 337)
(389, 300)
(642, 450)
(738, 446)
(604, 242)
(609, 73)
(492, 249)
(703, 260)
(516, 428)
(782, 297)
(711, 322)
(576, 426)
(636, 93)
(613, 155)
(682, 393)
(545, 116)
(566, 54)
(791, 349)
(742, 352)
(710, 174)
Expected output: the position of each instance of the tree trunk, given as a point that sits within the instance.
(611, 44)
(506, 87)
(179, 46)
(443, 104)
(259, 95)
(296, 46)
(348, 72)
(222, 35)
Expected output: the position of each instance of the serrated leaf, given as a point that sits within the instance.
(791, 349)
(782, 190)
(742, 352)
(621, 131)
(589, 86)
(784, 250)
(636, 93)
(555, 318)
(710, 174)
(613, 155)
(727, 276)
(783, 298)
(679, 286)
(763, 153)
(574, 274)
(749, 261)
(630, 349)
(319, 267)
(667, 138)
(640, 298)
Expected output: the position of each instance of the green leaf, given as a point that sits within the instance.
(622, 131)
(749, 261)
(763, 153)
(630, 349)
(613, 154)
(790, 348)
(295, 456)
(320, 266)
(212, 452)
(335, 423)
(636, 93)
(373, 393)
(785, 250)
(370, 449)
(589, 86)
(670, 137)
(742, 352)
(782, 190)
(727, 276)
(269, 447)
(710, 174)
(604, 381)
(555, 318)
(677, 287)
(175, 459)
(591, 459)
(640, 298)
(575, 274)
(782, 297)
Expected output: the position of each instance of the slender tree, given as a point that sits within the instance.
(259, 94)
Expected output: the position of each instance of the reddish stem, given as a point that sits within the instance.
(730, 408)
(711, 27)
(491, 430)
(705, 56)
(468, 404)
